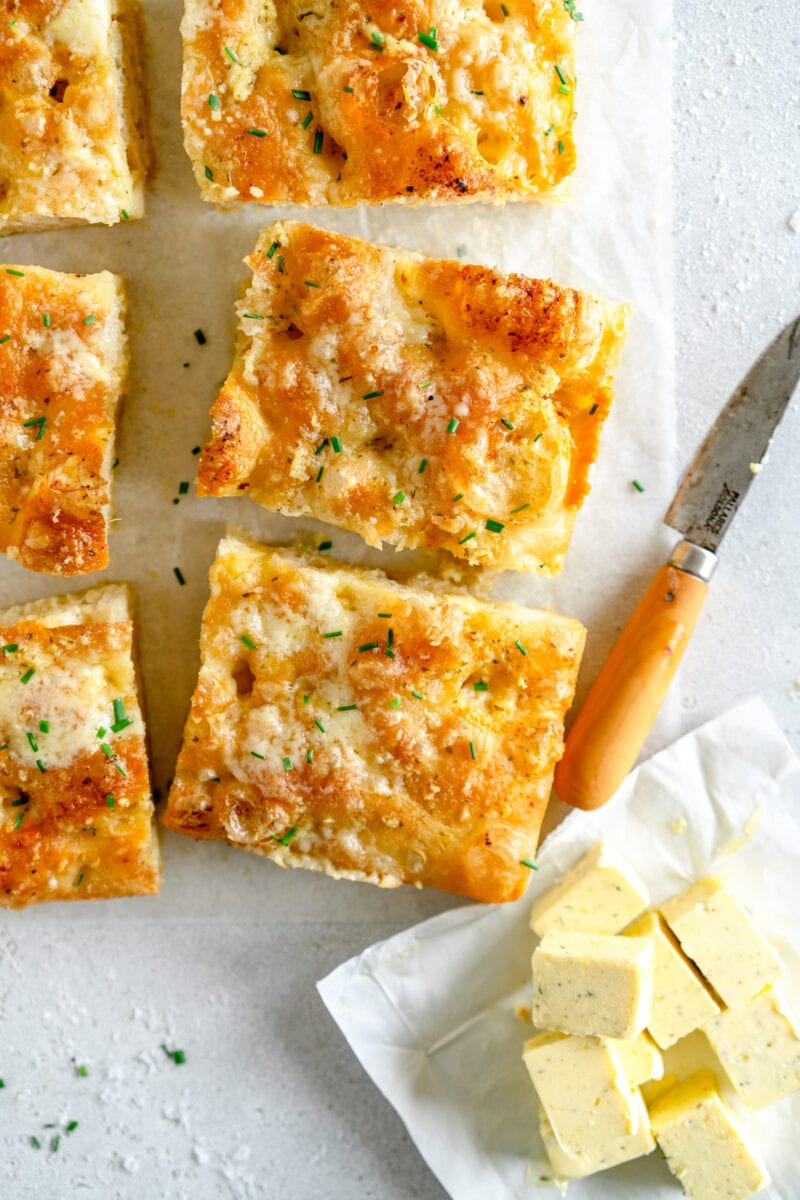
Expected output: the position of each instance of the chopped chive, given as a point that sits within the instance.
(120, 769)
(506, 422)
(71, 1126)
(79, 880)
(560, 147)
(385, 616)
(287, 837)
(310, 283)
(377, 39)
(272, 249)
(326, 545)
(335, 633)
(18, 821)
(371, 395)
(301, 94)
(287, 764)
(178, 573)
(549, 130)
(564, 90)
(209, 174)
(254, 316)
(398, 498)
(309, 755)
(453, 424)
(34, 421)
(125, 214)
(480, 687)
(429, 39)
(468, 537)
(32, 742)
(22, 799)
(177, 1056)
(437, 110)
(183, 488)
(213, 101)
(337, 445)
(348, 89)
(37, 1145)
(259, 133)
(41, 765)
(231, 55)
(248, 641)
(320, 473)
(109, 753)
(389, 653)
(526, 862)
(121, 718)
(46, 320)
(321, 446)
(494, 526)
(2, 1084)
(347, 708)
(255, 754)
(417, 695)
(280, 264)
(55, 1142)
(458, 496)
(561, 76)
(593, 410)
(637, 485)
(367, 646)
(536, 439)
(306, 698)
(319, 725)
(11, 271)
(520, 647)
(423, 464)
(90, 320)
(200, 337)
(319, 137)
(83, 1071)
(473, 753)
(6, 338)
(394, 702)
(28, 676)
(423, 386)
(101, 732)
(477, 93)
(110, 800)
(504, 10)
(390, 637)
(306, 121)
(520, 508)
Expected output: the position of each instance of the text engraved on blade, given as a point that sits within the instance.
(723, 507)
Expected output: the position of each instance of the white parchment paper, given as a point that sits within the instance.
(431, 1013)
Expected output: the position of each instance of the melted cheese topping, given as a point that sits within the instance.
(467, 406)
(367, 756)
(73, 144)
(67, 748)
(60, 386)
(704, 1145)
(482, 114)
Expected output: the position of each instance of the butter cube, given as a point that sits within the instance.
(721, 937)
(598, 1156)
(582, 1088)
(599, 894)
(758, 1045)
(705, 1147)
(681, 1001)
(640, 1058)
(589, 983)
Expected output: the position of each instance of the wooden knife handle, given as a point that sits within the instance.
(616, 716)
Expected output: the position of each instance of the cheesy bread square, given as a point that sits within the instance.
(76, 813)
(73, 126)
(373, 730)
(354, 102)
(63, 366)
(416, 401)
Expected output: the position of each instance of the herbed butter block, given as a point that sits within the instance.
(376, 731)
(596, 1155)
(76, 812)
(722, 939)
(415, 401)
(599, 894)
(63, 367)
(593, 984)
(356, 102)
(681, 1001)
(758, 1044)
(583, 1090)
(640, 1058)
(73, 123)
(705, 1147)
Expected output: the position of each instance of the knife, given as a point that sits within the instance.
(616, 716)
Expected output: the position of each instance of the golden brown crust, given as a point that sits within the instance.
(73, 127)
(60, 385)
(428, 779)
(384, 350)
(61, 837)
(379, 115)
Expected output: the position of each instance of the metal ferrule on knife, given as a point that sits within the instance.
(694, 560)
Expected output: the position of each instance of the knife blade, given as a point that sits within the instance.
(616, 716)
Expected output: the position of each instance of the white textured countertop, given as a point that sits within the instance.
(328, 1132)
